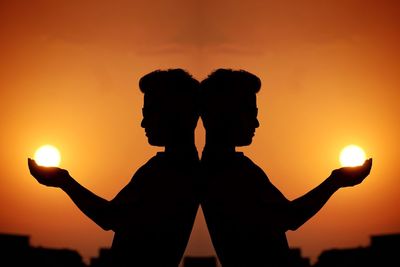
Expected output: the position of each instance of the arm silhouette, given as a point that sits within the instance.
(306, 206)
(93, 206)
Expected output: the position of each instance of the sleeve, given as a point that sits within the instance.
(123, 203)
(270, 193)
(274, 205)
(132, 190)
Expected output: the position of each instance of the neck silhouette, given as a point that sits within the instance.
(217, 145)
(181, 144)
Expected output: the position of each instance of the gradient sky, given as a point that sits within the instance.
(69, 75)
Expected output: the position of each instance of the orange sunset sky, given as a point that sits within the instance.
(69, 75)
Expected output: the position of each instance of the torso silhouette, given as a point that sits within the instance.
(155, 212)
(243, 211)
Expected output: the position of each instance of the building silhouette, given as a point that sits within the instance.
(383, 251)
(103, 260)
(296, 259)
(15, 250)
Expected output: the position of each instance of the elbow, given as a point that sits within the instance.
(295, 218)
(105, 221)
(293, 223)
(106, 226)
(105, 218)
(293, 226)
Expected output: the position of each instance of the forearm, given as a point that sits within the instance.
(306, 206)
(93, 206)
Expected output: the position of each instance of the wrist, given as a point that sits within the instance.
(67, 182)
(332, 182)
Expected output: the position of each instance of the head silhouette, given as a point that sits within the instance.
(170, 111)
(228, 106)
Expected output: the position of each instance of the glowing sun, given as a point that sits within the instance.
(351, 156)
(48, 156)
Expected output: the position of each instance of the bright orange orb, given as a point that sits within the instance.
(351, 156)
(48, 156)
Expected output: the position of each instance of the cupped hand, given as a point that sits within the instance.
(49, 176)
(351, 176)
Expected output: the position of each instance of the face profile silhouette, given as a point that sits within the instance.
(169, 110)
(229, 109)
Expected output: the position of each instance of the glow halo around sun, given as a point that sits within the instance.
(351, 156)
(48, 156)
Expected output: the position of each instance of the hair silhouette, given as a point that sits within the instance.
(228, 106)
(170, 105)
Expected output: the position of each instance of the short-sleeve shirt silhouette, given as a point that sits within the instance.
(154, 214)
(244, 211)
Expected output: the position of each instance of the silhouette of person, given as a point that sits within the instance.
(152, 216)
(247, 216)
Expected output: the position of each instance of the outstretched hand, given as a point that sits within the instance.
(49, 176)
(351, 176)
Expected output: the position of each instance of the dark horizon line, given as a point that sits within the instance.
(372, 237)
